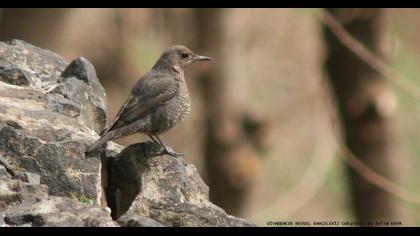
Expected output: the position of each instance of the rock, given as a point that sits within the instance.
(40, 66)
(92, 97)
(58, 211)
(83, 70)
(29, 177)
(14, 192)
(48, 119)
(61, 164)
(125, 176)
(163, 188)
(50, 112)
(25, 204)
(3, 173)
(133, 220)
(13, 75)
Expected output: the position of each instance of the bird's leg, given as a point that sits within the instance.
(167, 150)
(154, 139)
(157, 142)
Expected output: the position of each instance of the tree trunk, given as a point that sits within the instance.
(230, 157)
(365, 105)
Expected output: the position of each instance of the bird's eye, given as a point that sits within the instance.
(184, 55)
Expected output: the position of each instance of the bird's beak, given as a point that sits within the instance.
(201, 58)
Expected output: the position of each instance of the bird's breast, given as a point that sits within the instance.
(173, 112)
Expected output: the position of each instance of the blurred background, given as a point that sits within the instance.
(270, 112)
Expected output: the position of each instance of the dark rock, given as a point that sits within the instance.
(125, 174)
(64, 106)
(82, 69)
(44, 130)
(58, 211)
(49, 113)
(21, 220)
(92, 110)
(44, 66)
(13, 124)
(61, 165)
(163, 188)
(92, 96)
(3, 173)
(12, 75)
(24, 64)
(130, 220)
(26, 204)
(29, 177)
(13, 192)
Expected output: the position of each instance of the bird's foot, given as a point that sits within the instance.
(169, 151)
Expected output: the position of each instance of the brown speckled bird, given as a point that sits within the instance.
(158, 101)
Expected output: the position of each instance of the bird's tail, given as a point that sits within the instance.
(103, 139)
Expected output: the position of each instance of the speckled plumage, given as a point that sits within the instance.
(158, 101)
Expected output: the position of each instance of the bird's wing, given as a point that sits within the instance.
(148, 93)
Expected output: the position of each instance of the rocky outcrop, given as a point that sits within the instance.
(50, 112)
(163, 188)
(28, 204)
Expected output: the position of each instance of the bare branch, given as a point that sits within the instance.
(374, 61)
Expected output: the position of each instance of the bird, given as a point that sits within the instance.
(158, 101)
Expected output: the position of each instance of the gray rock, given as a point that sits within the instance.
(44, 67)
(50, 111)
(80, 84)
(132, 220)
(49, 117)
(27, 204)
(13, 75)
(163, 188)
(82, 69)
(14, 192)
(61, 165)
(29, 177)
(58, 211)
(3, 173)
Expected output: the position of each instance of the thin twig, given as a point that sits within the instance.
(387, 72)
(377, 179)
(374, 61)
(365, 171)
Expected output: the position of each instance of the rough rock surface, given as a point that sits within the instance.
(27, 204)
(50, 111)
(163, 188)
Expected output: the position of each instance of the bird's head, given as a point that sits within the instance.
(179, 56)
